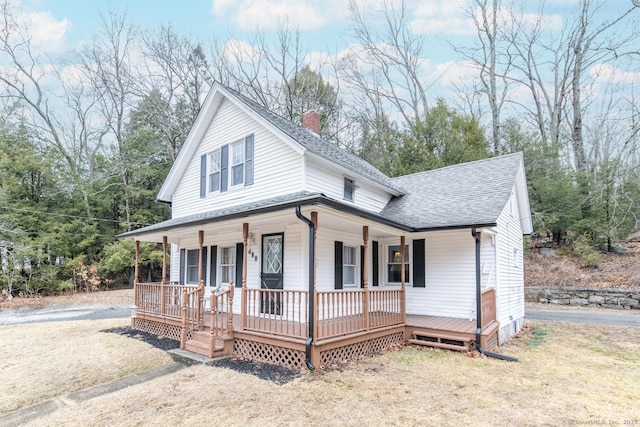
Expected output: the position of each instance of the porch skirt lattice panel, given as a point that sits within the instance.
(362, 348)
(173, 332)
(267, 353)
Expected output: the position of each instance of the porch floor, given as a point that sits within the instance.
(449, 324)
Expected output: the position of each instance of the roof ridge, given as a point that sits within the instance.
(457, 165)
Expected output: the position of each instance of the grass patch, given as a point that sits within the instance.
(564, 378)
(43, 360)
(537, 337)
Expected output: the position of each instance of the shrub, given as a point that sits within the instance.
(588, 256)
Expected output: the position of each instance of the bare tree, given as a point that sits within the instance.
(70, 134)
(175, 78)
(490, 56)
(392, 58)
(107, 66)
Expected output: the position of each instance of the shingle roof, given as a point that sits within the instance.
(317, 145)
(465, 194)
(220, 214)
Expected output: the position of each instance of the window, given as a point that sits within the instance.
(229, 166)
(349, 266)
(228, 264)
(214, 171)
(192, 265)
(237, 163)
(394, 264)
(349, 188)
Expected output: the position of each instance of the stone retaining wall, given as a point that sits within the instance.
(585, 296)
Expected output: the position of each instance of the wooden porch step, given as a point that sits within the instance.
(441, 340)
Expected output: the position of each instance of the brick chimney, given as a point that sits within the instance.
(311, 121)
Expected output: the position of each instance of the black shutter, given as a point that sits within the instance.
(239, 261)
(418, 264)
(213, 266)
(182, 261)
(248, 159)
(224, 167)
(338, 266)
(203, 176)
(204, 265)
(376, 267)
(362, 255)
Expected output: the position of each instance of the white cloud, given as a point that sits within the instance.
(607, 74)
(452, 18)
(47, 32)
(240, 51)
(249, 15)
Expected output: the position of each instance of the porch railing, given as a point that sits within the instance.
(221, 312)
(277, 311)
(488, 301)
(192, 312)
(160, 299)
(346, 312)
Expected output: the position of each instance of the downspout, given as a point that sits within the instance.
(479, 305)
(311, 307)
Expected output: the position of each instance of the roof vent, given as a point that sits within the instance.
(311, 121)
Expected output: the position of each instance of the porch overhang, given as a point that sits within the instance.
(278, 204)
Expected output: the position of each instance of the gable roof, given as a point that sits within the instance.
(292, 133)
(318, 146)
(473, 193)
(459, 196)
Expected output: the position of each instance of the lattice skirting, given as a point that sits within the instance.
(267, 353)
(362, 348)
(173, 332)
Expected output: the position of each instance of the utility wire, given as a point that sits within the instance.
(71, 216)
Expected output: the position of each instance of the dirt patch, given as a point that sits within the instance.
(118, 297)
(265, 371)
(163, 343)
(574, 374)
(613, 271)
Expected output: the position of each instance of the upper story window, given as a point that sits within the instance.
(237, 163)
(349, 188)
(214, 171)
(229, 166)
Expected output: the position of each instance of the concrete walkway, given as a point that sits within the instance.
(30, 413)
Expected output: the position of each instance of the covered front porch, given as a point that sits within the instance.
(274, 327)
(303, 324)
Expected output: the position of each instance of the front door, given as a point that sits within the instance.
(271, 274)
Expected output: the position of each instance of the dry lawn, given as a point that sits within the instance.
(568, 373)
(117, 297)
(42, 360)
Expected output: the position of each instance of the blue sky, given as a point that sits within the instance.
(58, 25)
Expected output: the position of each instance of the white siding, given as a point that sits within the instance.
(510, 279)
(487, 260)
(450, 277)
(292, 262)
(320, 179)
(277, 167)
(325, 256)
